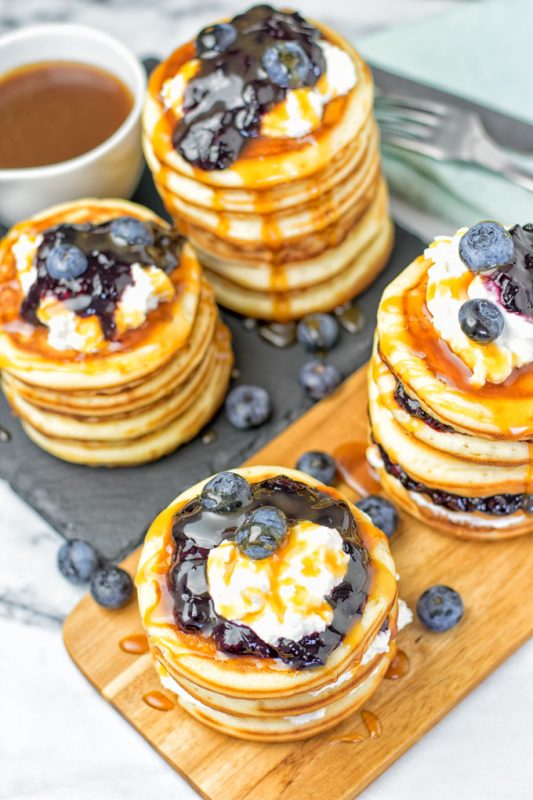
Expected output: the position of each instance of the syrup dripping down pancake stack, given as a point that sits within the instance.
(262, 142)
(270, 603)
(110, 343)
(451, 384)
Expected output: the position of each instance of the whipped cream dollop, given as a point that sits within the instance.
(450, 284)
(302, 110)
(66, 330)
(283, 596)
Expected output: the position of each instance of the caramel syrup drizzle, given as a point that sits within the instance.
(398, 667)
(136, 644)
(158, 701)
(420, 336)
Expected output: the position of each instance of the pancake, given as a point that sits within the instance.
(303, 274)
(281, 306)
(138, 393)
(286, 727)
(290, 212)
(258, 695)
(24, 350)
(451, 418)
(447, 440)
(161, 441)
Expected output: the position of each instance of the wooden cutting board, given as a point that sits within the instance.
(493, 579)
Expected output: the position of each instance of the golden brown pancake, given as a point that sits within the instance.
(293, 225)
(253, 696)
(127, 400)
(451, 446)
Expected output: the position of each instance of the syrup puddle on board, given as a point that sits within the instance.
(398, 667)
(209, 437)
(5, 436)
(350, 317)
(159, 701)
(354, 469)
(350, 738)
(135, 645)
(279, 334)
(372, 724)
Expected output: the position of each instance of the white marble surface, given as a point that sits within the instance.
(58, 739)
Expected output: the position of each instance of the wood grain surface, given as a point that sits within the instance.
(493, 579)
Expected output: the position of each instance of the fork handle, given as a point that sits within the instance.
(488, 154)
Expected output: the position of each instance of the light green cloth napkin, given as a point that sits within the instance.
(482, 51)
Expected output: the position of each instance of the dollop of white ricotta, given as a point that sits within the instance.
(283, 596)
(139, 297)
(24, 250)
(450, 284)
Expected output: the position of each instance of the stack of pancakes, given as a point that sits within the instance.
(293, 226)
(449, 452)
(264, 699)
(142, 395)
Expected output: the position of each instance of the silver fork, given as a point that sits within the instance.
(445, 133)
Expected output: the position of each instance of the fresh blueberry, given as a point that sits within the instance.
(111, 587)
(226, 492)
(215, 39)
(486, 245)
(131, 231)
(248, 406)
(319, 465)
(440, 608)
(77, 561)
(481, 320)
(382, 513)
(318, 332)
(66, 261)
(262, 532)
(318, 378)
(287, 64)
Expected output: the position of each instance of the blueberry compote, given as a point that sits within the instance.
(414, 408)
(497, 505)
(515, 280)
(241, 77)
(106, 261)
(196, 532)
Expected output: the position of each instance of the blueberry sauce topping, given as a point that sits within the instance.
(88, 267)
(197, 531)
(498, 505)
(413, 407)
(246, 68)
(515, 279)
